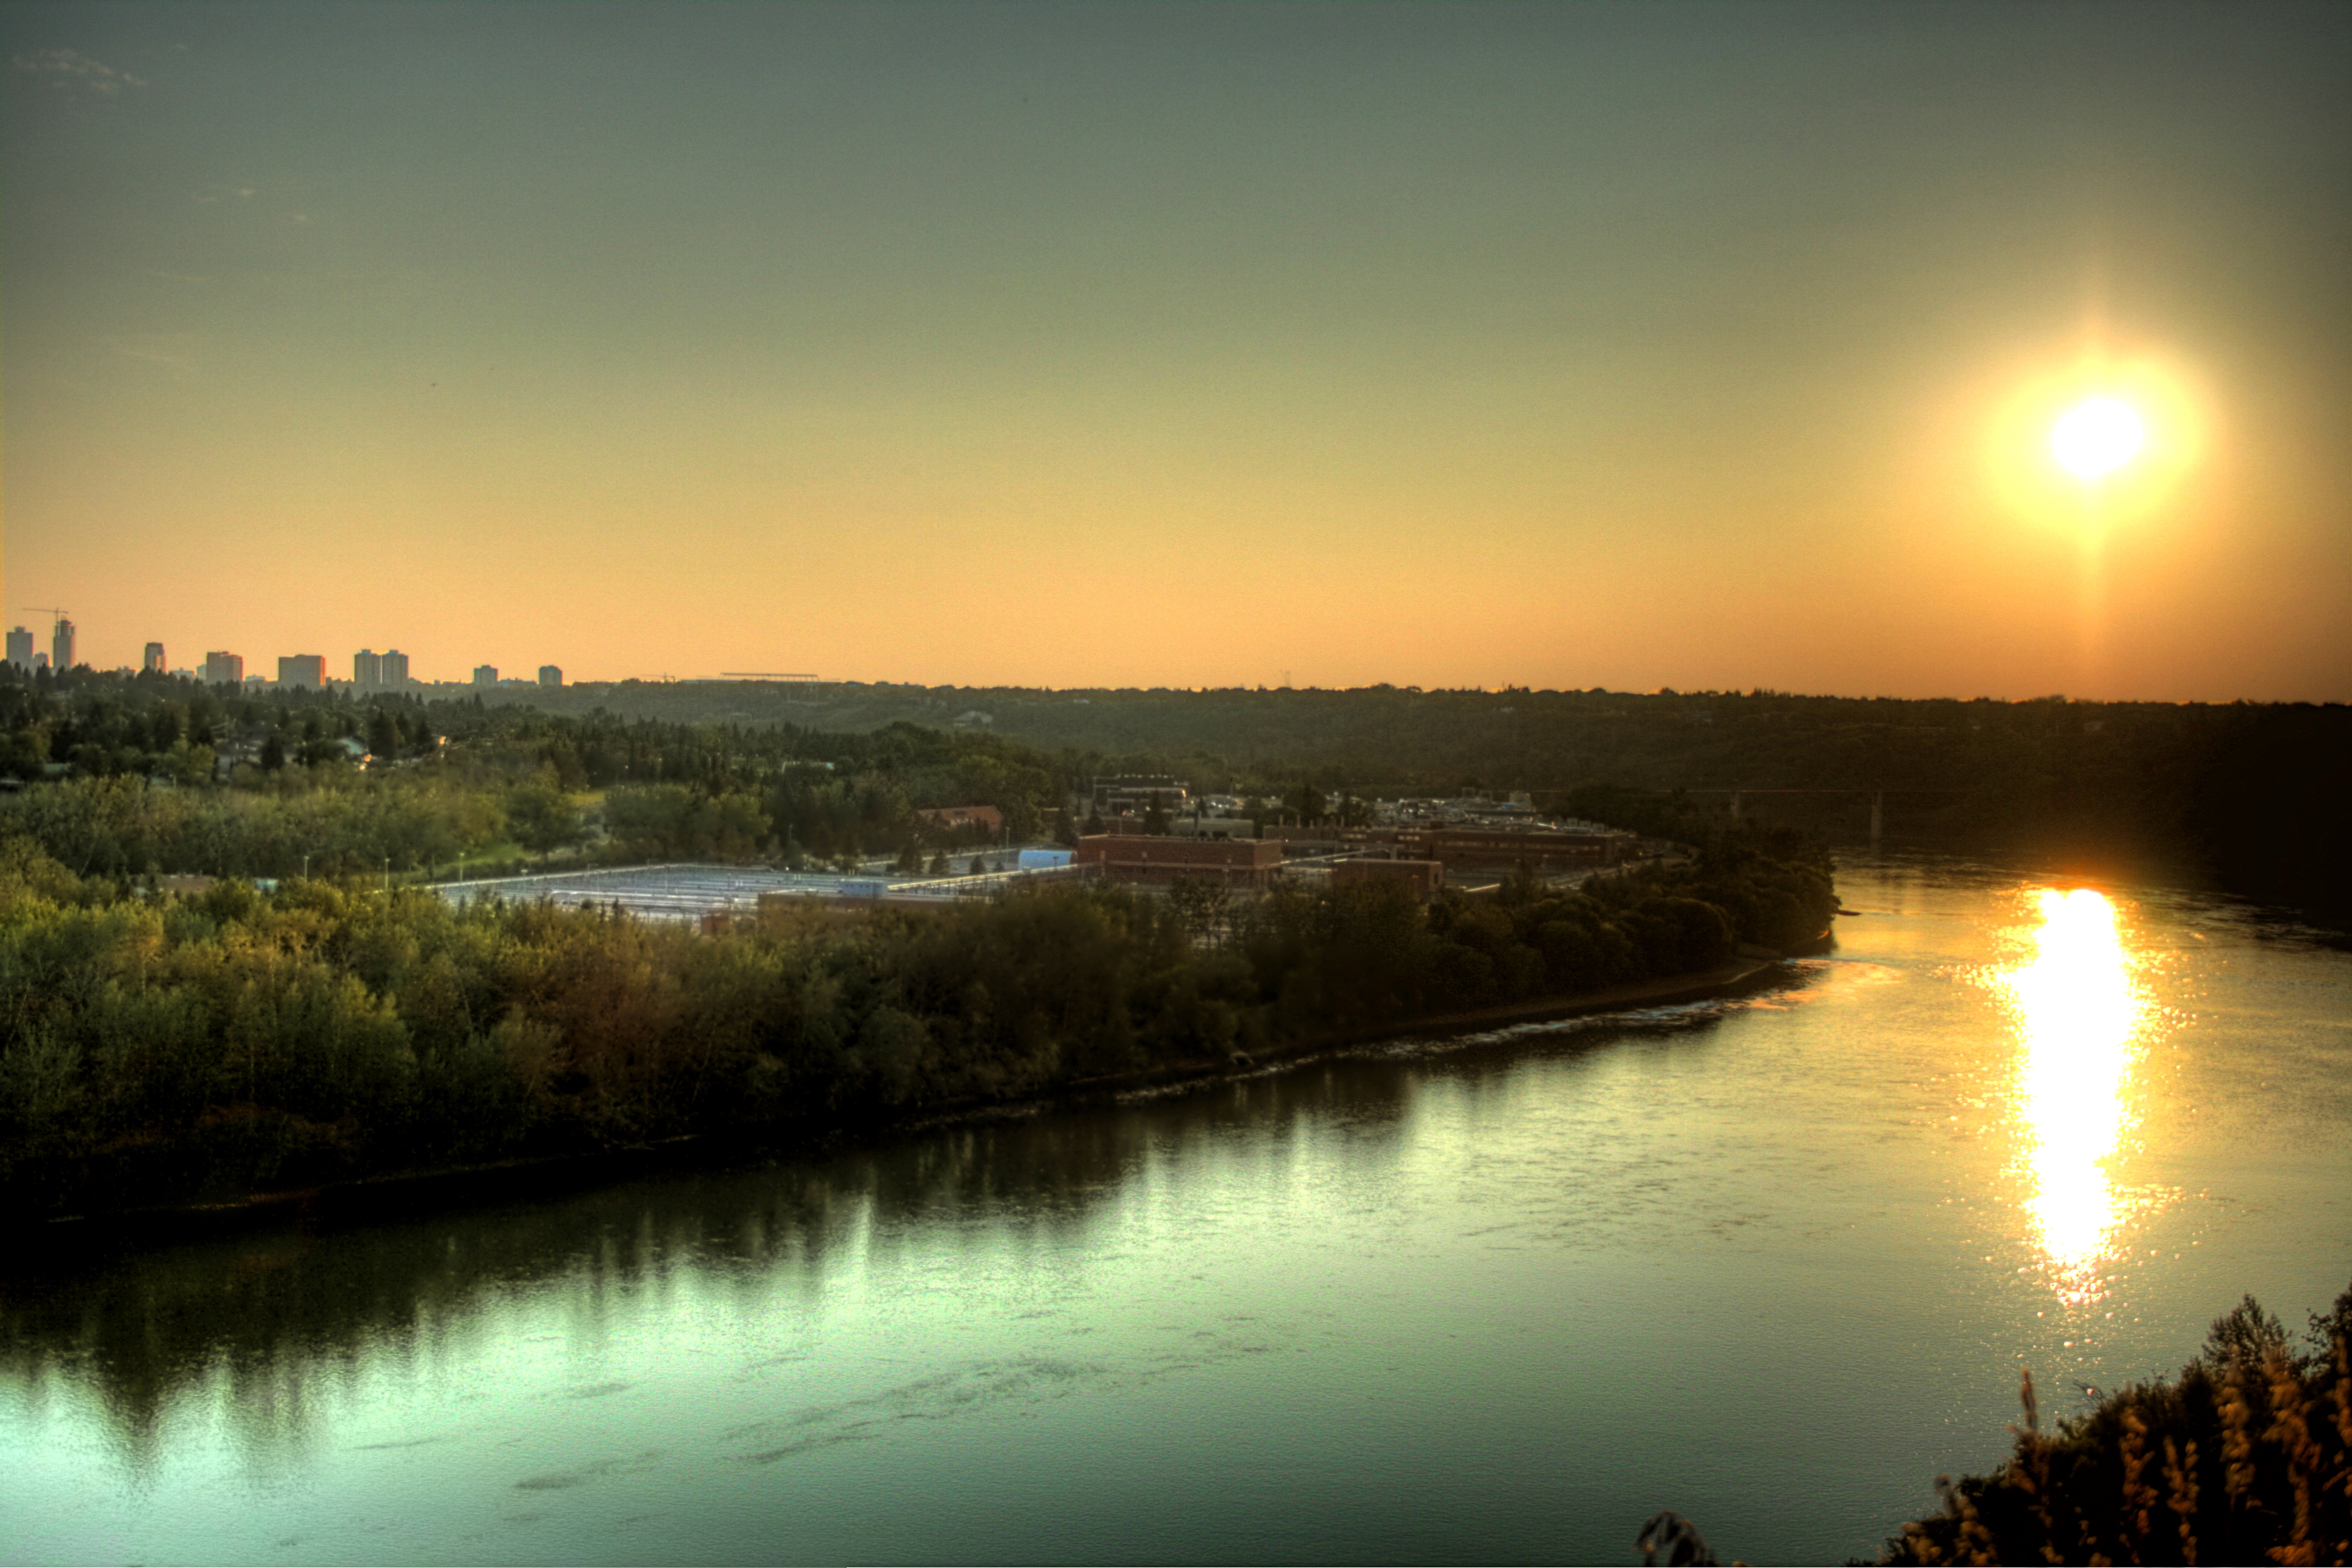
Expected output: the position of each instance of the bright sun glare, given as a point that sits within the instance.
(2097, 436)
(2081, 1018)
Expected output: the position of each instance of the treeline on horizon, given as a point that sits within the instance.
(159, 1050)
(460, 778)
(2245, 794)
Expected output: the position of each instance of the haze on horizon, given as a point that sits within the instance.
(1701, 346)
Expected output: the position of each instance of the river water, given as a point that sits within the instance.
(1772, 1263)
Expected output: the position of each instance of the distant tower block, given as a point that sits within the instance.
(395, 669)
(61, 646)
(486, 674)
(223, 670)
(153, 662)
(20, 648)
(367, 669)
(307, 672)
(551, 676)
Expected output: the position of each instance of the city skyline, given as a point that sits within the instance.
(1704, 347)
(371, 671)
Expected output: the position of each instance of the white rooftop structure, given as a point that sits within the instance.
(692, 892)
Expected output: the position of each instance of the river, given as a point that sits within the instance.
(1771, 1263)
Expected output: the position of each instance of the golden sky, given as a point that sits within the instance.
(1558, 345)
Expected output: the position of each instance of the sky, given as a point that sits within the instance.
(1711, 347)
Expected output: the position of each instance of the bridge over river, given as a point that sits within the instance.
(1876, 792)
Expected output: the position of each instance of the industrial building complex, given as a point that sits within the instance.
(1422, 846)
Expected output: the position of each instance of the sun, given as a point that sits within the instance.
(2097, 436)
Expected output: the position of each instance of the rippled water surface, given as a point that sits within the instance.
(1772, 1264)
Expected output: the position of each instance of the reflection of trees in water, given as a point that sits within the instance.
(269, 1322)
(270, 1315)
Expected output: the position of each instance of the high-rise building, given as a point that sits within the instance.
(61, 646)
(153, 664)
(367, 670)
(20, 647)
(549, 675)
(223, 670)
(395, 669)
(40, 661)
(486, 674)
(306, 671)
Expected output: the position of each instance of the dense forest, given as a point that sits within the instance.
(159, 1049)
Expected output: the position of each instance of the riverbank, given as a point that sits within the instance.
(1670, 990)
(394, 1195)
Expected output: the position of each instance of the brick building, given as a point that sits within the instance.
(1424, 877)
(1131, 857)
(1116, 793)
(1536, 850)
(1332, 835)
(984, 818)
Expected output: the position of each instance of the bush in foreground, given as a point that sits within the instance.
(2241, 1458)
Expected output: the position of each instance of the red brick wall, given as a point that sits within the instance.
(1482, 846)
(1426, 876)
(1130, 858)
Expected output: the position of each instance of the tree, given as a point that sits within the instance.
(1200, 903)
(541, 817)
(273, 753)
(939, 862)
(1155, 817)
(2243, 1336)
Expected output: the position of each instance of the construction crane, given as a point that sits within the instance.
(760, 675)
(59, 615)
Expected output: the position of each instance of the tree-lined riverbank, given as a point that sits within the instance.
(202, 1048)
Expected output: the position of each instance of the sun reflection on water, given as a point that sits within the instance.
(2080, 1015)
